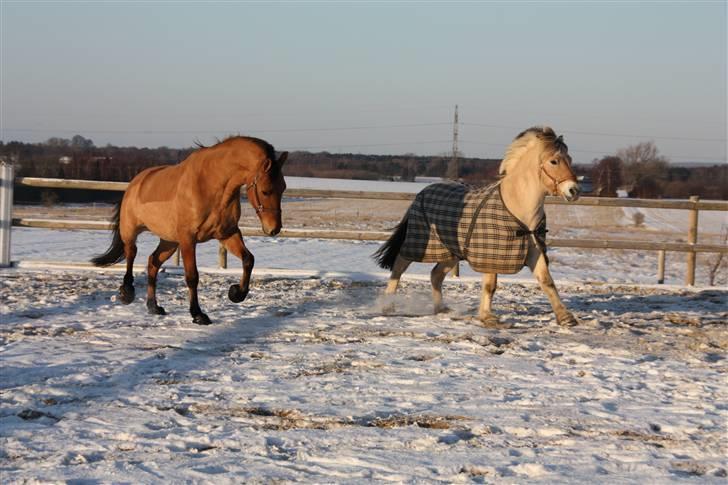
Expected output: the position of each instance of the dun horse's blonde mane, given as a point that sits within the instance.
(525, 141)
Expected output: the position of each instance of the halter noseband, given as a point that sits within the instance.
(557, 182)
(256, 200)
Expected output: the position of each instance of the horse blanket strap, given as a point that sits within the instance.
(450, 220)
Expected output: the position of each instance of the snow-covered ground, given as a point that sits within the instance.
(308, 381)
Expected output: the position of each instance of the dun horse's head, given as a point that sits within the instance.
(558, 177)
(552, 156)
(265, 193)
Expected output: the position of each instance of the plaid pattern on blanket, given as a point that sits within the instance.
(449, 220)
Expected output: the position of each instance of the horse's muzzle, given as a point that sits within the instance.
(571, 192)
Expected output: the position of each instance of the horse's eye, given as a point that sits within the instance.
(554, 162)
(266, 193)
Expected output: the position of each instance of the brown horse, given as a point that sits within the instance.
(196, 201)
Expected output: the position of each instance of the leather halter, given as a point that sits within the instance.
(557, 182)
(256, 200)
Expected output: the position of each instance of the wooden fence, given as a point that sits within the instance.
(694, 205)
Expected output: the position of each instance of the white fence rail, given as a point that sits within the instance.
(694, 205)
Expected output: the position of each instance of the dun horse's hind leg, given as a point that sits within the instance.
(537, 264)
(192, 278)
(490, 282)
(399, 267)
(235, 245)
(126, 291)
(163, 252)
(436, 278)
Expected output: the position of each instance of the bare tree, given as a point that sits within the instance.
(643, 162)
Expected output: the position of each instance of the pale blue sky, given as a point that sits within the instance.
(347, 77)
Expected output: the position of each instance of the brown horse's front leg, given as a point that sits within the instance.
(235, 245)
(163, 252)
(192, 278)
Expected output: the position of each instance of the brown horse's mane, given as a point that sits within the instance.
(267, 147)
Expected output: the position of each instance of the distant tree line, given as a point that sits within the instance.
(638, 170)
(642, 172)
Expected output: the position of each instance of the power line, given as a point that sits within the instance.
(594, 133)
(611, 151)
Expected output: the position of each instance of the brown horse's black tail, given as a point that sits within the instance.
(115, 253)
(387, 254)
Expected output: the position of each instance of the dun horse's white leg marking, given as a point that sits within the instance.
(537, 264)
(437, 276)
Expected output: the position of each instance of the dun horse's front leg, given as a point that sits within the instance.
(164, 251)
(539, 267)
(192, 278)
(235, 245)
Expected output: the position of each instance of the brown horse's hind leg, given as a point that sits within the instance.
(235, 245)
(163, 252)
(192, 278)
(126, 290)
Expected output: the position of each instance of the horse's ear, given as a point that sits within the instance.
(266, 165)
(282, 158)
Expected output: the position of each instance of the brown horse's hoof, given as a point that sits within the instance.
(155, 309)
(236, 294)
(201, 319)
(126, 294)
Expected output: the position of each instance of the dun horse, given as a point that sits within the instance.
(196, 201)
(497, 229)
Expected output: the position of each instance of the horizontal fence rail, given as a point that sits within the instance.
(691, 247)
(50, 183)
(383, 236)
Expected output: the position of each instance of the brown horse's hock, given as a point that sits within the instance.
(196, 201)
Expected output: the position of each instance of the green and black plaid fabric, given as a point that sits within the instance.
(449, 220)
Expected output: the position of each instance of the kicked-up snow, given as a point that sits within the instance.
(308, 380)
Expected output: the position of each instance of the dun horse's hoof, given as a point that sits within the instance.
(155, 309)
(566, 319)
(492, 321)
(126, 294)
(201, 319)
(236, 294)
(442, 309)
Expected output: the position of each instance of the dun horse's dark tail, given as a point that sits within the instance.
(115, 253)
(387, 254)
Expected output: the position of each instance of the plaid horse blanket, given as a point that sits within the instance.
(449, 220)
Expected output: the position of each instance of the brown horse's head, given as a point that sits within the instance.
(265, 193)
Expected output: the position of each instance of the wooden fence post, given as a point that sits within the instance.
(7, 178)
(661, 267)
(692, 239)
(456, 270)
(222, 256)
(176, 257)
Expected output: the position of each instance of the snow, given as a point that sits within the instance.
(308, 381)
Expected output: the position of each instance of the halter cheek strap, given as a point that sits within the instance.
(256, 200)
(556, 182)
